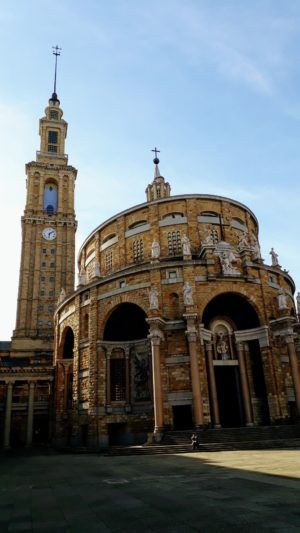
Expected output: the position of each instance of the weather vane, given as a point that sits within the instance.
(56, 52)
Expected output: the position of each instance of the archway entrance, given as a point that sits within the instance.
(224, 316)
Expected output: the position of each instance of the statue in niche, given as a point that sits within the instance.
(186, 247)
(222, 346)
(282, 300)
(155, 250)
(187, 294)
(255, 248)
(153, 298)
(141, 376)
(274, 257)
(243, 241)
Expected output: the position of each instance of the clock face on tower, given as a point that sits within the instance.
(49, 234)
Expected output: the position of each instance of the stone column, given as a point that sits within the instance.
(191, 334)
(245, 386)
(108, 392)
(30, 414)
(212, 387)
(127, 379)
(156, 336)
(294, 369)
(7, 420)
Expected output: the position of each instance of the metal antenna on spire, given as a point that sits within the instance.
(56, 52)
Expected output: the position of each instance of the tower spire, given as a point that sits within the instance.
(56, 53)
(156, 161)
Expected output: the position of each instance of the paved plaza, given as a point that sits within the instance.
(206, 492)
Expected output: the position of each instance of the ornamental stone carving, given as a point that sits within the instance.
(227, 257)
(96, 270)
(62, 296)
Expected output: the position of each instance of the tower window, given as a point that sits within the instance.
(53, 114)
(52, 141)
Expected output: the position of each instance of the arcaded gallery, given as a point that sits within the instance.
(176, 321)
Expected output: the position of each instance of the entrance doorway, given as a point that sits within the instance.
(182, 417)
(229, 396)
(117, 434)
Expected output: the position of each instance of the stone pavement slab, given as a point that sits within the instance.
(245, 491)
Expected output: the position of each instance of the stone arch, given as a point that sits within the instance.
(234, 306)
(66, 350)
(224, 314)
(126, 322)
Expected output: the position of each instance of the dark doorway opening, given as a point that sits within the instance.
(182, 417)
(40, 429)
(229, 396)
(117, 434)
(84, 429)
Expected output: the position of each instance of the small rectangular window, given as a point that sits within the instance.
(52, 137)
(52, 265)
(52, 251)
(43, 278)
(43, 264)
(42, 292)
(122, 284)
(40, 322)
(44, 250)
(52, 279)
(172, 274)
(49, 323)
(41, 308)
(51, 293)
(53, 114)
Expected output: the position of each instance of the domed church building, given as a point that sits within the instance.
(176, 322)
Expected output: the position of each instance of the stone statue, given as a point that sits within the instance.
(222, 347)
(186, 247)
(96, 270)
(153, 298)
(155, 250)
(282, 300)
(62, 296)
(141, 377)
(274, 257)
(255, 248)
(82, 276)
(187, 294)
(243, 241)
(227, 257)
(211, 238)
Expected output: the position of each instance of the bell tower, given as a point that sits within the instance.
(48, 235)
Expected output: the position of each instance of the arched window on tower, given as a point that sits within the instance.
(50, 198)
(68, 345)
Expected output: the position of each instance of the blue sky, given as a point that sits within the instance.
(214, 84)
